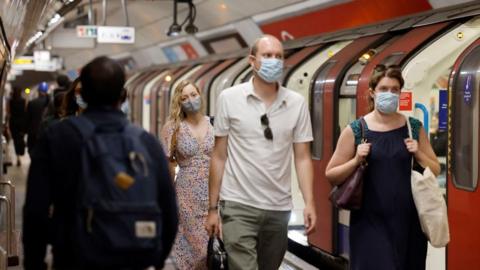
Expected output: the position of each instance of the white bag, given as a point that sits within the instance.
(430, 204)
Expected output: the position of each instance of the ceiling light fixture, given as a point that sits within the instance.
(174, 29)
(190, 28)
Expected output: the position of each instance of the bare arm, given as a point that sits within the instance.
(345, 159)
(425, 154)
(304, 168)
(217, 166)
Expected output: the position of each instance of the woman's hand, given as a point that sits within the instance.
(412, 145)
(363, 150)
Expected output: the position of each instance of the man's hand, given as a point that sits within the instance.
(310, 218)
(213, 225)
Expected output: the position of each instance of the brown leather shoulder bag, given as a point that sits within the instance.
(348, 195)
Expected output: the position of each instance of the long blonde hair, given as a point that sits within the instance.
(177, 114)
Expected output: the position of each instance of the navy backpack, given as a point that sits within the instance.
(118, 220)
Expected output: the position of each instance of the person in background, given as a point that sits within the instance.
(387, 225)
(69, 105)
(63, 84)
(17, 121)
(56, 170)
(56, 114)
(188, 142)
(259, 124)
(35, 114)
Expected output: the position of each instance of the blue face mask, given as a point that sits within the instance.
(271, 69)
(80, 102)
(386, 102)
(125, 108)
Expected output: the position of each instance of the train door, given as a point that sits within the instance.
(298, 80)
(131, 79)
(147, 100)
(224, 81)
(463, 156)
(130, 86)
(137, 93)
(322, 100)
(205, 81)
(425, 96)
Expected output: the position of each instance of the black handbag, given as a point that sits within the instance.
(217, 257)
(349, 194)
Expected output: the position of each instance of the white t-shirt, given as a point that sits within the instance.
(258, 171)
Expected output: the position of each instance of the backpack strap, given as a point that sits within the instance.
(83, 125)
(87, 129)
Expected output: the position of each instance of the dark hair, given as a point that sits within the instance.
(69, 105)
(63, 81)
(58, 99)
(102, 82)
(381, 71)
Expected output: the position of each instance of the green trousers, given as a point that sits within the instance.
(254, 238)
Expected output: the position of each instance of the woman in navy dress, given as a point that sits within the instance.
(385, 233)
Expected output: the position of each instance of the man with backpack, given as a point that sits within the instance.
(100, 186)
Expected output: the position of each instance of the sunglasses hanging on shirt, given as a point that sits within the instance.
(268, 131)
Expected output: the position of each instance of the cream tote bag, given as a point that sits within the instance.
(430, 204)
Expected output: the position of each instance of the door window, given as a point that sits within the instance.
(465, 122)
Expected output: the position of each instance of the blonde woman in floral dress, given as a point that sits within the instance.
(188, 142)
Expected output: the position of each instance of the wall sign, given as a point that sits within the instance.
(86, 31)
(405, 101)
(442, 110)
(115, 34)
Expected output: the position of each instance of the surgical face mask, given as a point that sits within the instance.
(271, 69)
(192, 106)
(125, 108)
(386, 102)
(80, 102)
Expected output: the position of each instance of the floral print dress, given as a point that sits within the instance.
(193, 157)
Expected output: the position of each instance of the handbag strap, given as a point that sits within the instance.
(409, 133)
(363, 126)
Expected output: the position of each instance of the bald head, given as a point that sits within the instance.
(265, 41)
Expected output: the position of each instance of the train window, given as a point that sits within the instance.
(465, 120)
(349, 84)
(392, 59)
(317, 110)
(352, 79)
(347, 108)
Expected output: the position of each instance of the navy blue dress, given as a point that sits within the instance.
(385, 233)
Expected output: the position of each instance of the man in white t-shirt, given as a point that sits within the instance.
(257, 127)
